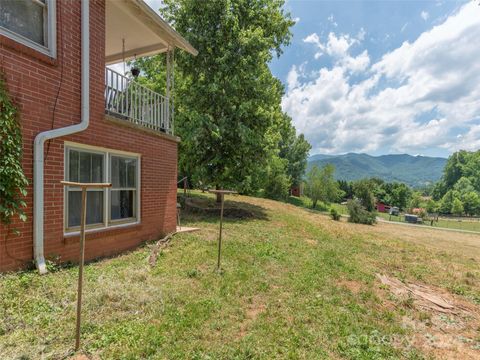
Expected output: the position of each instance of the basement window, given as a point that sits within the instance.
(31, 23)
(105, 207)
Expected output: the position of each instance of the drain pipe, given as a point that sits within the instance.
(41, 138)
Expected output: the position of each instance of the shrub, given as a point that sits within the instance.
(363, 191)
(334, 214)
(13, 183)
(321, 185)
(421, 213)
(277, 182)
(359, 215)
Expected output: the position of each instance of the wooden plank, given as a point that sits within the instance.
(86, 185)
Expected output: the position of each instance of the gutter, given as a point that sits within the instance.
(41, 138)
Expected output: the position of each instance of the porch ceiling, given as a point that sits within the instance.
(144, 31)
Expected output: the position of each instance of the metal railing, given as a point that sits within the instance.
(127, 99)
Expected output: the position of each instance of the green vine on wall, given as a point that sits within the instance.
(13, 182)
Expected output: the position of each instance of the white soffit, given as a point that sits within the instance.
(144, 31)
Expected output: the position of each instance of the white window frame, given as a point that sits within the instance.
(50, 32)
(107, 155)
(111, 221)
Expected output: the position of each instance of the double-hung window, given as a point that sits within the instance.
(105, 207)
(123, 195)
(30, 22)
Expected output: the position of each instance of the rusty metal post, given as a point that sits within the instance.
(83, 222)
(221, 194)
(80, 268)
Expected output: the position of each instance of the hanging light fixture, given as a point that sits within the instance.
(135, 70)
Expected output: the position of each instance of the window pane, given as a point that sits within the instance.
(94, 207)
(131, 173)
(97, 168)
(124, 172)
(115, 172)
(122, 204)
(85, 167)
(24, 17)
(73, 163)
(91, 166)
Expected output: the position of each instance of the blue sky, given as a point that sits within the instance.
(383, 77)
(387, 24)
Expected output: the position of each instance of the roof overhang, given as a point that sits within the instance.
(144, 31)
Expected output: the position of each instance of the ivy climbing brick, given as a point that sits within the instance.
(13, 182)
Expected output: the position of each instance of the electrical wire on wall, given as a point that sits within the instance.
(59, 84)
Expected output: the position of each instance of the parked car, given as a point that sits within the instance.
(394, 211)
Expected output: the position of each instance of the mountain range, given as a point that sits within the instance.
(416, 171)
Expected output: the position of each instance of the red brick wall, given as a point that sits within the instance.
(33, 81)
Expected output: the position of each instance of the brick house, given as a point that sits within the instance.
(83, 121)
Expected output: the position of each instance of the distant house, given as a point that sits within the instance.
(382, 207)
(85, 122)
(296, 190)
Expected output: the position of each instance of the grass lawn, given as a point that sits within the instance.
(294, 285)
(321, 207)
(473, 225)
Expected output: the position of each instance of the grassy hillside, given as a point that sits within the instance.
(412, 170)
(294, 285)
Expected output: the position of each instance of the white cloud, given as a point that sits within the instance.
(332, 20)
(361, 34)
(404, 27)
(418, 97)
(338, 47)
(425, 15)
(292, 78)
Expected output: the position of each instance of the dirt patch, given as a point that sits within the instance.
(354, 286)
(252, 312)
(231, 209)
(443, 325)
(83, 357)
(311, 242)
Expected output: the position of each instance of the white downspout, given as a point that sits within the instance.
(38, 164)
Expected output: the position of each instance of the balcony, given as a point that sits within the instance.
(133, 30)
(127, 100)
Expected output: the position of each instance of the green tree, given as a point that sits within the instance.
(400, 195)
(363, 191)
(454, 169)
(471, 203)
(432, 206)
(226, 97)
(457, 207)
(277, 182)
(463, 185)
(346, 187)
(416, 200)
(321, 185)
(462, 172)
(294, 149)
(446, 203)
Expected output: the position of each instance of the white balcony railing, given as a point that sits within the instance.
(130, 101)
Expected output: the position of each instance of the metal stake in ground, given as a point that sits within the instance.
(222, 198)
(83, 220)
